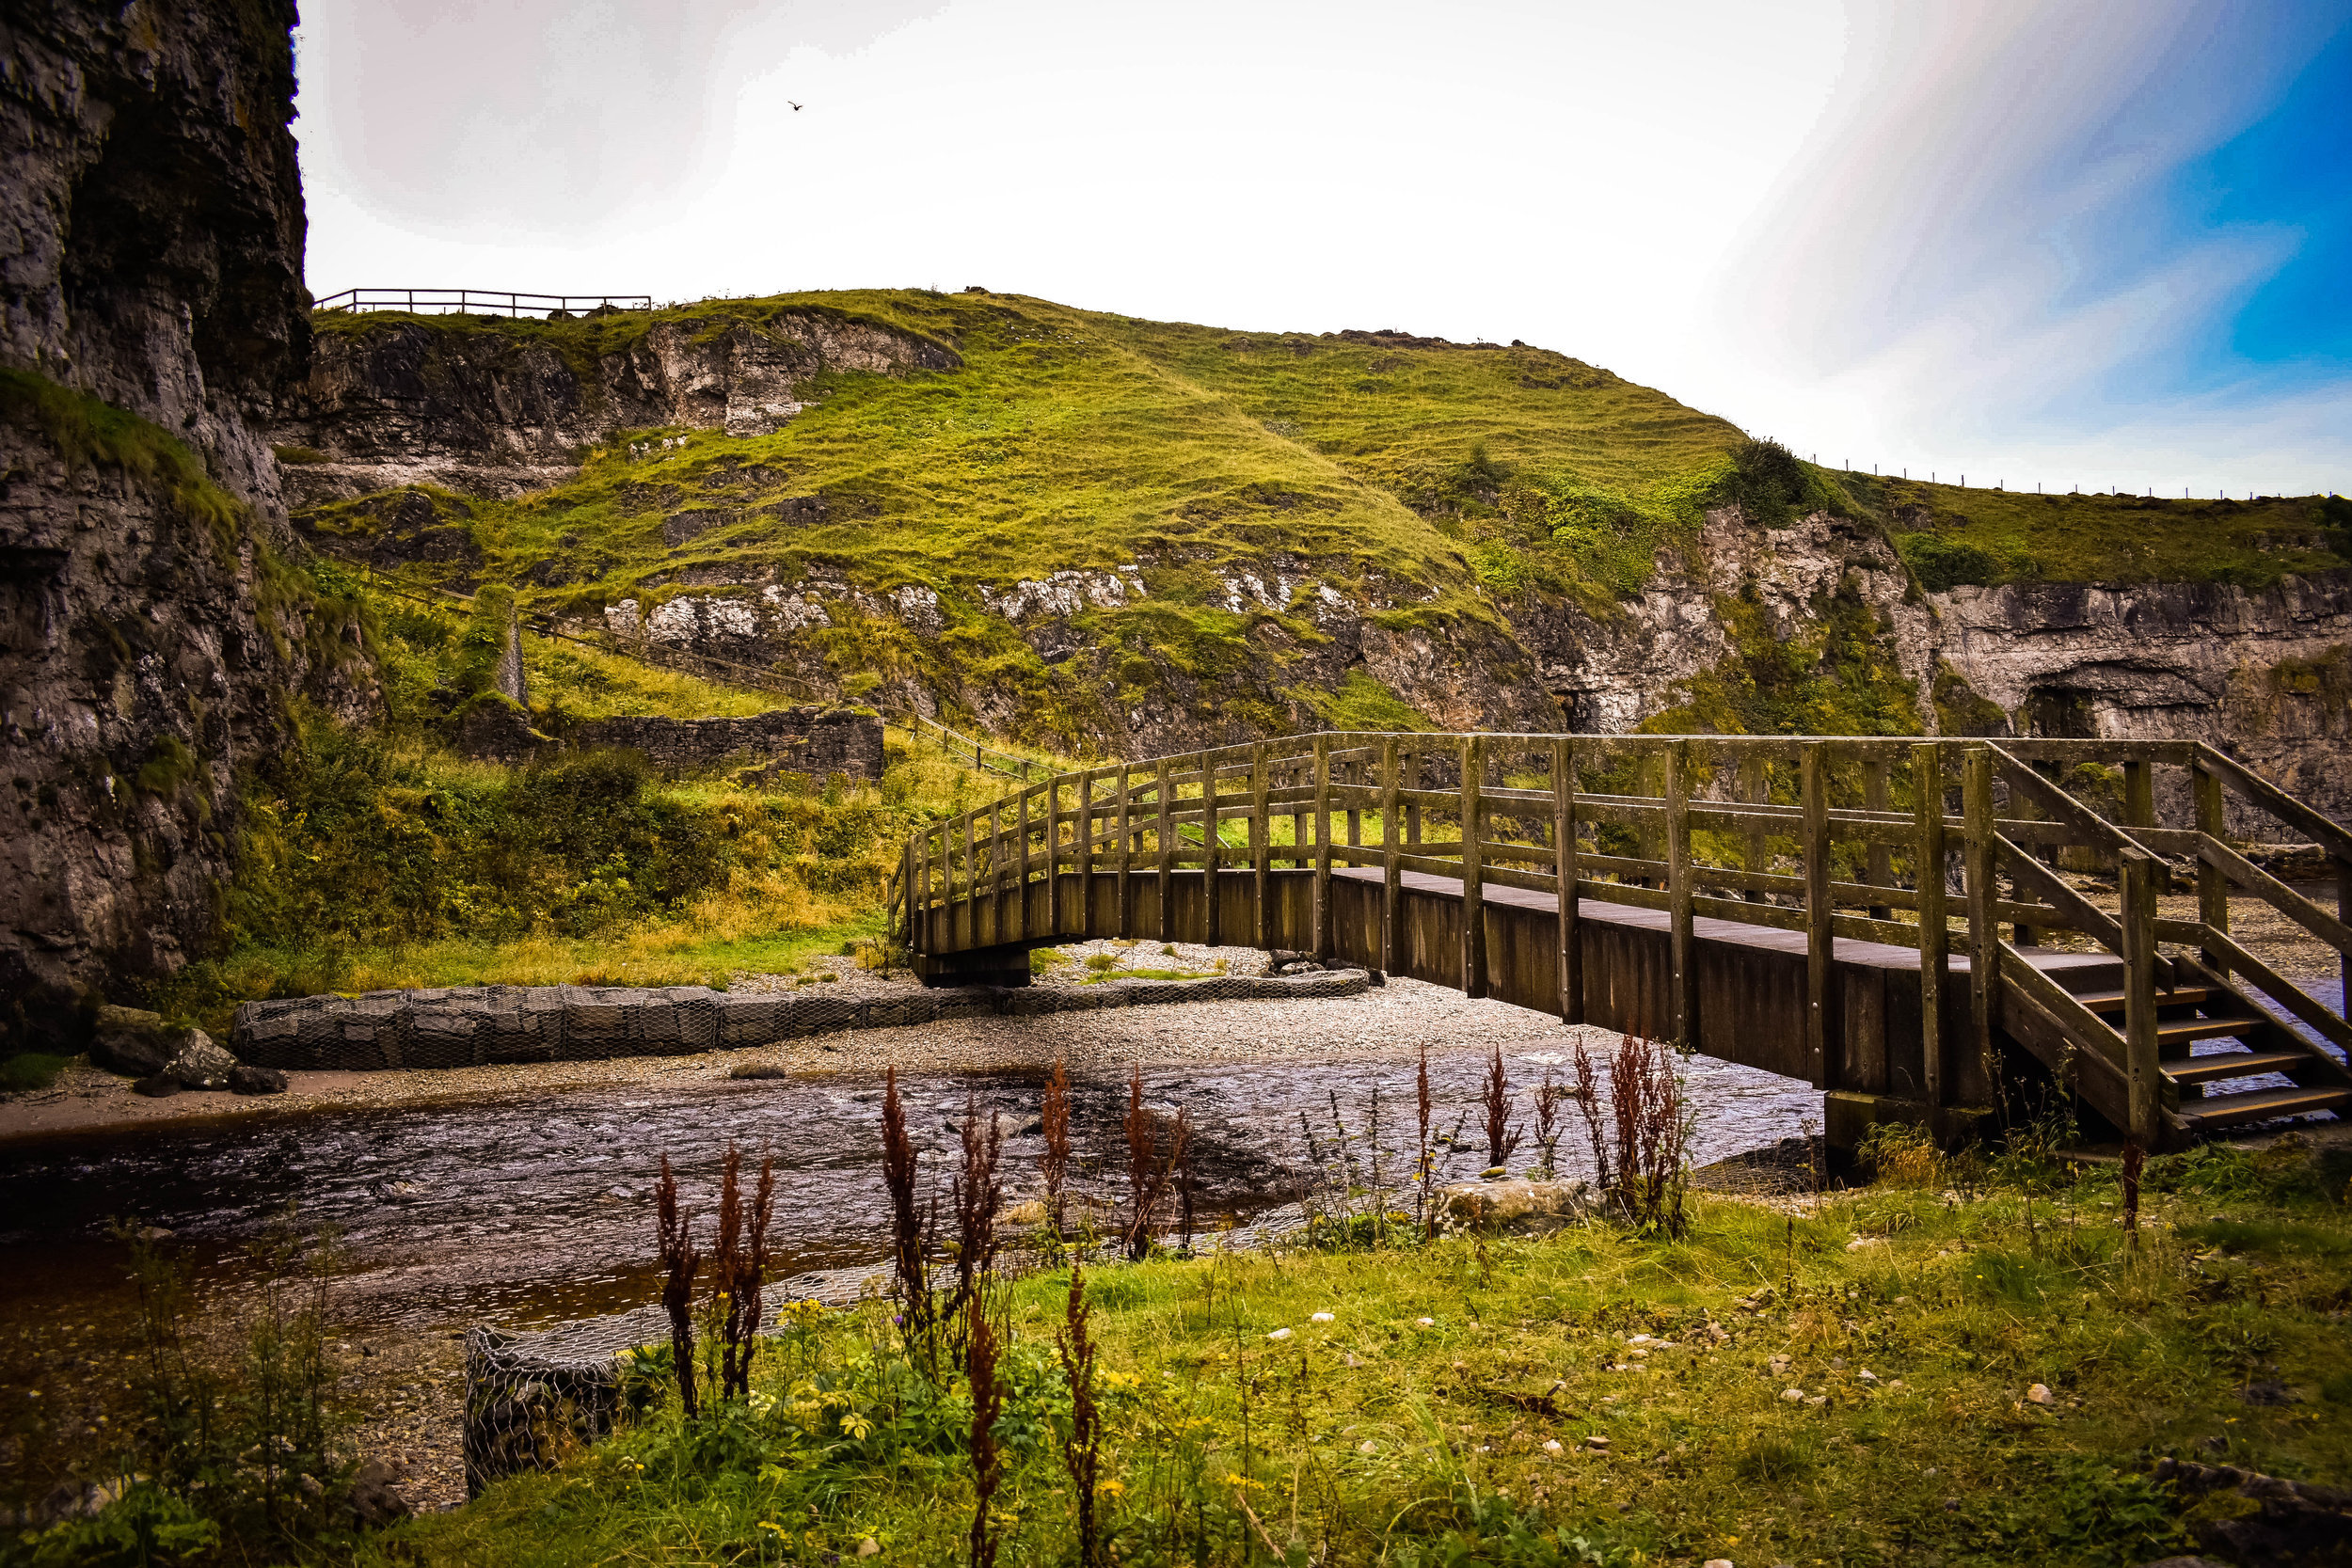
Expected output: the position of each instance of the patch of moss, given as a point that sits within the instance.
(1362, 702)
(89, 432)
(1837, 676)
(2329, 677)
(1958, 708)
(170, 765)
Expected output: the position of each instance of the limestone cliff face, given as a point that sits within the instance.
(150, 307)
(491, 413)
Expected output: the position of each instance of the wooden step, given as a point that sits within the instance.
(2234, 1064)
(2203, 1115)
(2112, 1000)
(2189, 1030)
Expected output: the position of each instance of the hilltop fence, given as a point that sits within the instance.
(472, 302)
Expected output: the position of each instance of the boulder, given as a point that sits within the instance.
(373, 1501)
(201, 1064)
(133, 1041)
(245, 1078)
(1528, 1208)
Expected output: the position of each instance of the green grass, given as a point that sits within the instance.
(1380, 1437)
(29, 1070)
(1429, 486)
(87, 432)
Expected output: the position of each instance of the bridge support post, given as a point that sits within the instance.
(1126, 859)
(971, 887)
(1820, 915)
(1935, 964)
(1571, 975)
(2212, 887)
(1262, 845)
(1681, 952)
(1755, 789)
(1881, 871)
(1020, 858)
(2135, 875)
(1164, 836)
(1212, 849)
(1392, 846)
(1084, 832)
(1984, 939)
(1473, 868)
(1321, 943)
(1052, 855)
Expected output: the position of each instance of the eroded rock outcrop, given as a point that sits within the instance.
(498, 409)
(150, 307)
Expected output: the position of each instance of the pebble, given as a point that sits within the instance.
(2039, 1394)
(1279, 1334)
(1551, 1444)
(1319, 1317)
(1792, 1396)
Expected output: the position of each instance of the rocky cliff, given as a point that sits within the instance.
(1531, 597)
(150, 310)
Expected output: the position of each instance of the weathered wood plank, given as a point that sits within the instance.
(1814, 786)
(1984, 939)
(1474, 905)
(1564, 851)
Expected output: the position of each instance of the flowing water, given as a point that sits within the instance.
(536, 1211)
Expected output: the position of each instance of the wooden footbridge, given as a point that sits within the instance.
(1900, 922)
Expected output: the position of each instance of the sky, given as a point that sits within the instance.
(2084, 244)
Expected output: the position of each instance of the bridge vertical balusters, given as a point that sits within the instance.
(1985, 938)
(1935, 961)
(1021, 867)
(1392, 846)
(1355, 808)
(996, 870)
(1321, 943)
(1165, 837)
(1571, 972)
(971, 884)
(1413, 809)
(1212, 849)
(1261, 843)
(2136, 877)
(1052, 855)
(1881, 871)
(2212, 887)
(1473, 868)
(1084, 832)
(1126, 857)
(1757, 790)
(1682, 999)
(1820, 917)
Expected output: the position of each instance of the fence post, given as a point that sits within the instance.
(2135, 875)
(1052, 855)
(2213, 888)
(1926, 785)
(1392, 846)
(1473, 868)
(1571, 972)
(1819, 916)
(1683, 1003)
(1757, 790)
(1413, 809)
(1127, 858)
(1321, 943)
(1166, 837)
(1984, 939)
(1261, 843)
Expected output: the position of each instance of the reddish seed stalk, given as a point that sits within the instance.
(1501, 1137)
(1423, 1169)
(679, 1262)
(1054, 1162)
(1082, 1450)
(975, 1198)
(909, 1234)
(980, 1365)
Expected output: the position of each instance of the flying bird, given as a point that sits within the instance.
(796, 109)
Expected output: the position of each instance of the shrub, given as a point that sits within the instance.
(1940, 563)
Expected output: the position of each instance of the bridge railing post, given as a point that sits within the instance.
(2212, 887)
(1571, 967)
(1262, 845)
(1881, 859)
(1473, 867)
(1126, 855)
(1392, 849)
(1212, 849)
(971, 885)
(1165, 842)
(1819, 916)
(1985, 938)
(1052, 854)
(1683, 1002)
(1926, 782)
(1321, 943)
(1084, 832)
(2135, 875)
(1021, 866)
(1757, 790)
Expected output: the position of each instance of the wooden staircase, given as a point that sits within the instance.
(2205, 1093)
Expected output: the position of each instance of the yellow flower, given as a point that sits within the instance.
(1110, 1486)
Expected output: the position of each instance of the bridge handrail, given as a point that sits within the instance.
(1151, 817)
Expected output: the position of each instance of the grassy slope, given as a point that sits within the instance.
(1075, 439)
(1374, 1438)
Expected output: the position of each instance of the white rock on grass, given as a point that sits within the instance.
(2039, 1394)
(1792, 1396)
(1279, 1334)
(1319, 1318)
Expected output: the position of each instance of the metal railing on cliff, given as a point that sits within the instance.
(476, 302)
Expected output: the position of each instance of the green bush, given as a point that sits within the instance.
(33, 1069)
(1940, 564)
